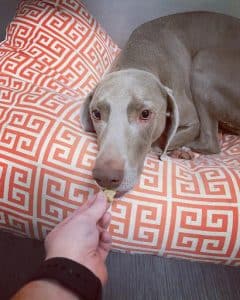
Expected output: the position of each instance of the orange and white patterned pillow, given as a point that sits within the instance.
(54, 53)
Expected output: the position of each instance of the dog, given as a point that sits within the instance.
(216, 94)
(169, 88)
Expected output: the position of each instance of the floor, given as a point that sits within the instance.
(131, 277)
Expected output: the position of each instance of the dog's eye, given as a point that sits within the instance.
(145, 114)
(96, 114)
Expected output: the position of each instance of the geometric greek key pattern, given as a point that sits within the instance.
(53, 55)
(203, 230)
(46, 158)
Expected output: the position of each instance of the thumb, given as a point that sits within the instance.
(98, 207)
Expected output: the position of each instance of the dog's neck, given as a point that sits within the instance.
(159, 145)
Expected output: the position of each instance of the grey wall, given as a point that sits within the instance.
(120, 17)
(7, 11)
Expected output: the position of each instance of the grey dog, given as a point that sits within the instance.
(175, 80)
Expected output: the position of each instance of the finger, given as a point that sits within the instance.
(104, 249)
(105, 237)
(105, 244)
(91, 199)
(104, 222)
(98, 207)
(84, 206)
(78, 212)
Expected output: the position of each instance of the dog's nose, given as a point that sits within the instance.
(108, 175)
(106, 180)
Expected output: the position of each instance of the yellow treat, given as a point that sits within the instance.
(109, 195)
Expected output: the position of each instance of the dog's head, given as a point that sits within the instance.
(127, 110)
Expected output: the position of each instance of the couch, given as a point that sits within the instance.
(194, 215)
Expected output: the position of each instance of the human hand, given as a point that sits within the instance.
(83, 236)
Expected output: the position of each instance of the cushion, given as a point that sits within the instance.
(54, 53)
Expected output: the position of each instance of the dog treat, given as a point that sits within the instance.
(109, 195)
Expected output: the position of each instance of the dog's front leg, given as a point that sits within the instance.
(177, 148)
(207, 141)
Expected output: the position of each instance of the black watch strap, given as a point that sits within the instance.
(71, 275)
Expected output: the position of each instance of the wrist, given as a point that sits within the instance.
(71, 276)
(87, 261)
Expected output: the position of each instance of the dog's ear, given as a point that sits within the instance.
(85, 118)
(174, 115)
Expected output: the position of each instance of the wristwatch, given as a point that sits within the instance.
(72, 276)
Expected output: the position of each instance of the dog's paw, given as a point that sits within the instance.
(182, 153)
